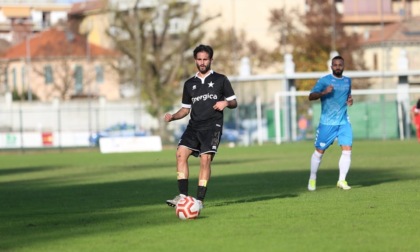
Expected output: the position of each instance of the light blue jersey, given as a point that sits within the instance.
(334, 104)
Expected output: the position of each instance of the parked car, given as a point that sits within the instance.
(117, 130)
(232, 135)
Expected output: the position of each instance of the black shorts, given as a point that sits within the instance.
(201, 141)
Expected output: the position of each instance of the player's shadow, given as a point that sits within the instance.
(25, 170)
(255, 199)
(27, 205)
(243, 188)
(362, 177)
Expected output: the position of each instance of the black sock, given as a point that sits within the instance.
(201, 192)
(183, 186)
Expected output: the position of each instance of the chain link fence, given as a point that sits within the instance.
(266, 113)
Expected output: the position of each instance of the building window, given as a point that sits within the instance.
(78, 80)
(23, 79)
(6, 79)
(375, 61)
(46, 19)
(357, 7)
(48, 74)
(14, 81)
(99, 74)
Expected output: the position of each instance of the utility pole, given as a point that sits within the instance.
(138, 56)
(28, 66)
(333, 33)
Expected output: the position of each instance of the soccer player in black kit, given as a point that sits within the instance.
(205, 95)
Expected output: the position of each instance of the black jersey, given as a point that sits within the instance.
(201, 94)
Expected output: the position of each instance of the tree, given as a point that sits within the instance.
(231, 47)
(59, 75)
(62, 58)
(54, 60)
(3, 76)
(312, 36)
(156, 44)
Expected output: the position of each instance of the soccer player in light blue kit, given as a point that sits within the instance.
(334, 90)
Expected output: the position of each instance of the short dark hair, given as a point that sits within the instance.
(418, 104)
(203, 48)
(337, 57)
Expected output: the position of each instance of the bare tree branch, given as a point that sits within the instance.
(155, 51)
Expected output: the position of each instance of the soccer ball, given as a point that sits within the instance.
(187, 208)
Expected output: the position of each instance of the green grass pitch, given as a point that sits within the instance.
(257, 201)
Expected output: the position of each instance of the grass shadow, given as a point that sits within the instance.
(42, 209)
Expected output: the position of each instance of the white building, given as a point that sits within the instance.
(18, 18)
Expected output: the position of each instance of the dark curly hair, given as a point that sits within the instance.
(203, 48)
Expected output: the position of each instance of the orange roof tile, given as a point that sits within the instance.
(56, 43)
(86, 6)
(404, 31)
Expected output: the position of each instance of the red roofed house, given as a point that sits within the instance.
(383, 47)
(60, 64)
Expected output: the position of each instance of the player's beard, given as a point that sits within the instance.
(203, 69)
(338, 73)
